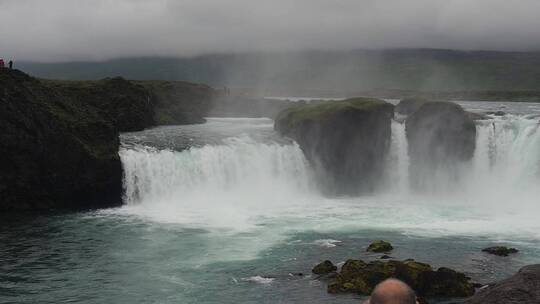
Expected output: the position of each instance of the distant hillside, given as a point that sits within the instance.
(325, 73)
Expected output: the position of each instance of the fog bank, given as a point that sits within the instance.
(63, 30)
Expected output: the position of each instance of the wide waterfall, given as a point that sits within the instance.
(244, 180)
(226, 184)
(238, 168)
(507, 156)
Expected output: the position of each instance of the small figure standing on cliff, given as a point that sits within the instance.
(10, 64)
(2, 63)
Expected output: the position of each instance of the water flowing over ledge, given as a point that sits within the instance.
(245, 182)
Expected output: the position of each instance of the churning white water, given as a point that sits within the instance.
(245, 183)
(507, 156)
(216, 184)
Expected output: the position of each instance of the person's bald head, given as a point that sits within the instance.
(392, 291)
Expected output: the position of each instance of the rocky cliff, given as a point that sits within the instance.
(346, 141)
(59, 141)
(55, 152)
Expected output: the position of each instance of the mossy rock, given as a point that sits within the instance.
(325, 267)
(294, 116)
(500, 250)
(334, 287)
(380, 246)
(360, 277)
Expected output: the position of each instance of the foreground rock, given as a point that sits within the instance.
(500, 250)
(380, 246)
(346, 141)
(360, 277)
(325, 267)
(522, 288)
(442, 138)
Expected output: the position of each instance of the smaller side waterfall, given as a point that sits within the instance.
(506, 164)
(397, 173)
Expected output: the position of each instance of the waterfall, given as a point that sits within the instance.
(506, 163)
(249, 182)
(397, 174)
(239, 171)
(241, 176)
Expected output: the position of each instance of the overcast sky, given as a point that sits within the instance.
(51, 30)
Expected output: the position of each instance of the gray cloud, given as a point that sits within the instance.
(100, 29)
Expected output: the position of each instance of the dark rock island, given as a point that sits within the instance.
(346, 141)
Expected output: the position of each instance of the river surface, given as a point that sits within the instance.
(229, 212)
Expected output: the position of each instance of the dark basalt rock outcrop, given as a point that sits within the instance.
(522, 288)
(380, 246)
(325, 267)
(346, 141)
(55, 153)
(360, 277)
(441, 137)
(59, 141)
(500, 250)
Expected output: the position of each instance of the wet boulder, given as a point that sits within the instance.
(325, 267)
(346, 141)
(442, 139)
(522, 288)
(500, 250)
(359, 277)
(380, 246)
